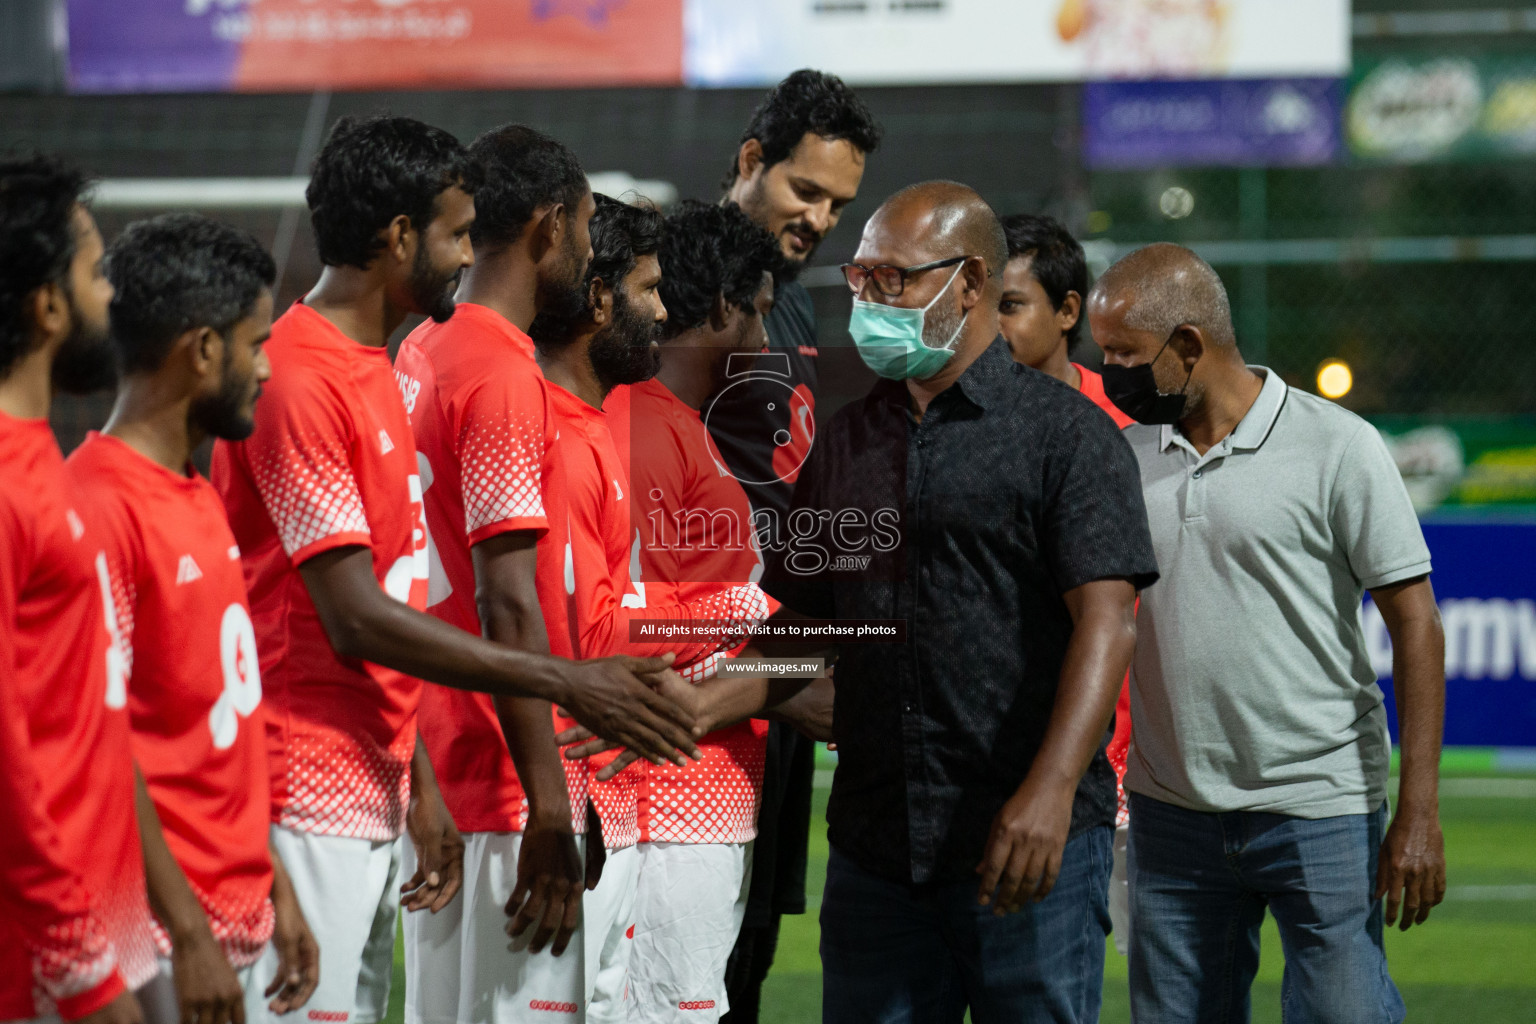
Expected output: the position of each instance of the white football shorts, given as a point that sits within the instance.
(689, 905)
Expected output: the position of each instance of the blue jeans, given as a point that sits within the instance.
(894, 953)
(1199, 886)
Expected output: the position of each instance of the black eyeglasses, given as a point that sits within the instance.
(890, 280)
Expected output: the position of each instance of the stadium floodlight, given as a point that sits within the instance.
(1334, 379)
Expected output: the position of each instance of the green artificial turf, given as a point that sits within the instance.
(1475, 959)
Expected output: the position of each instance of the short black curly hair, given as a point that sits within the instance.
(178, 272)
(521, 170)
(370, 171)
(804, 103)
(1056, 259)
(38, 238)
(621, 234)
(712, 250)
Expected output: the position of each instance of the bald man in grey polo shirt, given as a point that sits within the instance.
(1259, 753)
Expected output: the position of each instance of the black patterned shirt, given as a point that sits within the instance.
(970, 526)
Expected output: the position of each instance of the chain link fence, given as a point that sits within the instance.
(1420, 278)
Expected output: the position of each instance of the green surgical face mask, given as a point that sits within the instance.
(890, 338)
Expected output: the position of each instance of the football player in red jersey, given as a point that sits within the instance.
(1041, 316)
(593, 546)
(485, 436)
(697, 823)
(325, 501)
(191, 310)
(71, 875)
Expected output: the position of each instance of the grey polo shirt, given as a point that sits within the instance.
(1251, 688)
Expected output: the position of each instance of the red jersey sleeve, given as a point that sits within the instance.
(72, 961)
(607, 605)
(300, 461)
(500, 426)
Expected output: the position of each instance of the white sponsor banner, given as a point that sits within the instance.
(729, 42)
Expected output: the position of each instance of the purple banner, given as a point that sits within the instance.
(150, 45)
(1241, 123)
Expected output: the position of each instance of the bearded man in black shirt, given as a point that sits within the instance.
(799, 163)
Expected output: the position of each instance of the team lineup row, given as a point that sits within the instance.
(283, 727)
(447, 631)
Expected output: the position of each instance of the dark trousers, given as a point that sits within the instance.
(895, 953)
(747, 969)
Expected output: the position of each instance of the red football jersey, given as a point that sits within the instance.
(331, 464)
(194, 684)
(1120, 743)
(696, 535)
(484, 436)
(74, 905)
(597, 566)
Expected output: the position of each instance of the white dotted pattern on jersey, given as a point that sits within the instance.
(125, 915)
(699, 671)
(124, 940)
(710, 801)
(501, 463)
(1122, 804)
(70, 960)
(736, 608)
(745, 604)
(714, 800)
(241, 931)
(347, 786)
(125, 598)
(309, 498)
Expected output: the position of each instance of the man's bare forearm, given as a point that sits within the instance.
(170, 896)
(361, 621)
(506, 598)
(1103, 640)
(726, 700)
(423, 774)
(1418, 682)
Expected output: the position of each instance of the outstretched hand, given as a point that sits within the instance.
(612, 698)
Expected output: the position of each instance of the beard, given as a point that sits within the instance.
(562, 303)
(86, 361)
(941, 324)
(787, 271)
(756, 206)
(625, 352)
(431, 290)
(225, 414)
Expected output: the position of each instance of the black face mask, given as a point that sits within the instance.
(1133, 389)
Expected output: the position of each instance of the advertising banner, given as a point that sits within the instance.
(302, 45)
(729, 42)
(1410, 109)
(1471, 460)
(1290, 122)
(1486, 590)
(269, 45)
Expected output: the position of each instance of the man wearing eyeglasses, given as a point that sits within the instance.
(972, 808)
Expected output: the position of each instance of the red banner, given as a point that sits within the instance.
(300, 45)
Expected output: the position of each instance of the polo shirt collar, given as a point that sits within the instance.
(1255, 426)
